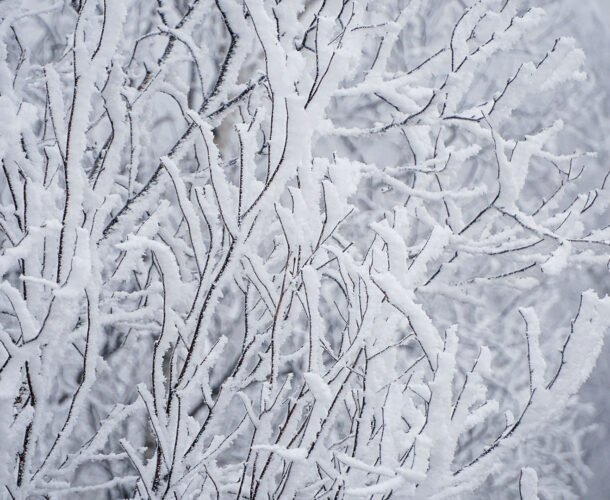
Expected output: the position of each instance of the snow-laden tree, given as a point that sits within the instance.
(294, 249)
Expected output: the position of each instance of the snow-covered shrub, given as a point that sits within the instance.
(292, 249)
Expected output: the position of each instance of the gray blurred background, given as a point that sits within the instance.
(596, 43)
